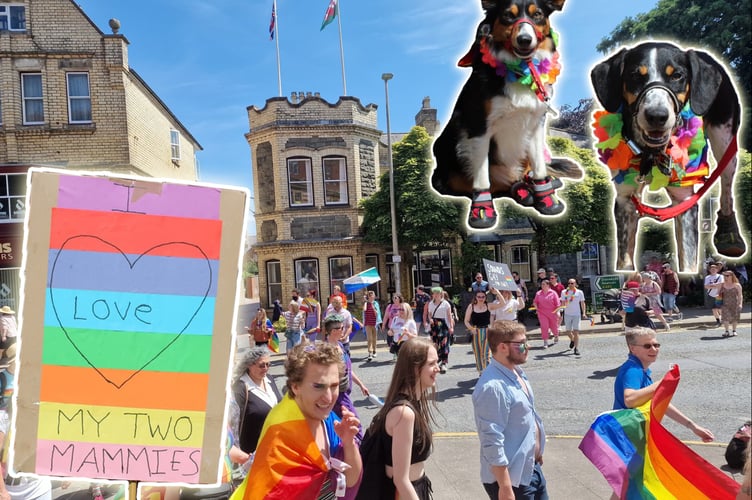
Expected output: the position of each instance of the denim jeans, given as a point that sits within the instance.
(536, 490)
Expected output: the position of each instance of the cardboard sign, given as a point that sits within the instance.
(128, 306)
(499, 276)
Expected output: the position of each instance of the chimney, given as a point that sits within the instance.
(294, 98)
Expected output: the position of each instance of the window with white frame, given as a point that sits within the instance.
(300, 182)
(79, 98)
(520, 261)
(273, 281)
(340, 268)
(12, 17)
(12, 197)
(33, 98)
(335, 181)
(174, 144)
(306, 275)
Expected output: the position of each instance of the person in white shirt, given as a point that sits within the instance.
(573, 301)
(713, 284)
(438, 315)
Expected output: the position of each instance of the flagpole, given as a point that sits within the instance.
(276, 42)
(341, 49)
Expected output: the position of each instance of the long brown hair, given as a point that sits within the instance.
(412, 357)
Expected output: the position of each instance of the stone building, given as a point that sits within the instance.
(313, 161)
(69, 99)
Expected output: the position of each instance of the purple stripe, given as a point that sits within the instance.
(152, 197)
(605, 459)
(111, 272)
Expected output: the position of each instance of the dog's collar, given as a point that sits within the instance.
(685, 154)
(534, 73)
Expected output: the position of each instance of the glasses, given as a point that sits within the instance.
(572, 283)
(648, 346)
(263, 365)
(522, 344)
(480, 296)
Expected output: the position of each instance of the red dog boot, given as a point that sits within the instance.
(727, 239)
(482, 213)
(544, 193)
(522, 193)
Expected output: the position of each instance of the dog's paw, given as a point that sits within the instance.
(727, 238)
(482, 212)
(545, 200)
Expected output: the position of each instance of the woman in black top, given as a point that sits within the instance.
(477, 320)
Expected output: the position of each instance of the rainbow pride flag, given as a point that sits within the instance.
(641, 459)
(128, 322)
(274, 342)
(288, 463)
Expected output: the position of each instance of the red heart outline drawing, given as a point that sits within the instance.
(131, 265)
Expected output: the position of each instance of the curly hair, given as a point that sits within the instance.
(249, 358)
(306, 353)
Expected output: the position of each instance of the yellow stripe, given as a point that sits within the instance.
(119, 425)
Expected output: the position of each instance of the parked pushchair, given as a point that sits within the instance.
(611, 306)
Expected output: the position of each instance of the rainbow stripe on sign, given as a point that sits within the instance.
(640, 459)
(128, 324)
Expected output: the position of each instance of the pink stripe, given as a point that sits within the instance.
(116, 461)
(159, 198)
(605, 459)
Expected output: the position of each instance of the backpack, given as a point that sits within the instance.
(374, 484)
(738, 445)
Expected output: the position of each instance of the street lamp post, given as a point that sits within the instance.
(396, 259)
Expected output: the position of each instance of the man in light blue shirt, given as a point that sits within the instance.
(510, 431)
(479, 285)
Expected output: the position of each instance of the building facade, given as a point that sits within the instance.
(313, 161)
(69, 99)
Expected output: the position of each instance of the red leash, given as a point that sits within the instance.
(666, 213)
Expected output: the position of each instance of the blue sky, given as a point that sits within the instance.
(209, 60)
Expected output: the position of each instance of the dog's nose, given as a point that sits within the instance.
(657, 116)
(524, 40)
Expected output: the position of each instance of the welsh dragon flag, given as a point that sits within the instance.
(330, 14)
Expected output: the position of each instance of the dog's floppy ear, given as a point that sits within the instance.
(488, 4)
(606, 80)
(554, 4)
(705, 80)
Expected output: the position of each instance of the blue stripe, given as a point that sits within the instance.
(82, 270)
(129, 312)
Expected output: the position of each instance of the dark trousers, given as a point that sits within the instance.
(536, 490)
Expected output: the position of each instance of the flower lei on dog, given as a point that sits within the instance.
(687, 151)
(518, 70)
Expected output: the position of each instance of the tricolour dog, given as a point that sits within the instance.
(662, 105)
(494, 143)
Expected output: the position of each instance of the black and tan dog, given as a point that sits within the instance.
(662, 104)
(494, 143)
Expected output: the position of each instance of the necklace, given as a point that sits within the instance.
(686, 154)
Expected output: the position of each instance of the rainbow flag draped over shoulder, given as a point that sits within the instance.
(641, 459)
(287, 464)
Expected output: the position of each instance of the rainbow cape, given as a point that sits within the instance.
(641, 459)
(287, 463)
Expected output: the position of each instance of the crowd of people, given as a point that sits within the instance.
(419, 335)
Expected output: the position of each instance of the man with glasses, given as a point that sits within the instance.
(573, 301)
(479, 285)
(634, 385)
(510, 430)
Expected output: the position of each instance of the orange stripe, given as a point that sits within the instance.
(162, 390)
(134, 233)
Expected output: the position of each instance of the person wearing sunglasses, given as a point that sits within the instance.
(634, 385)
(255, 393)
(512, 438)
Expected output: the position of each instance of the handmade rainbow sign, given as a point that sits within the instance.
(123, 373)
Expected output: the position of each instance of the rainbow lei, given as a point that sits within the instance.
(688, 151)
(518, 70)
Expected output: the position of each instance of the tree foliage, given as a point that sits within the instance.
(423, 218)
(470, 260)
(575, 119)
(723, 26)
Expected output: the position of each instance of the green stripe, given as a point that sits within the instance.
(127, 350)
